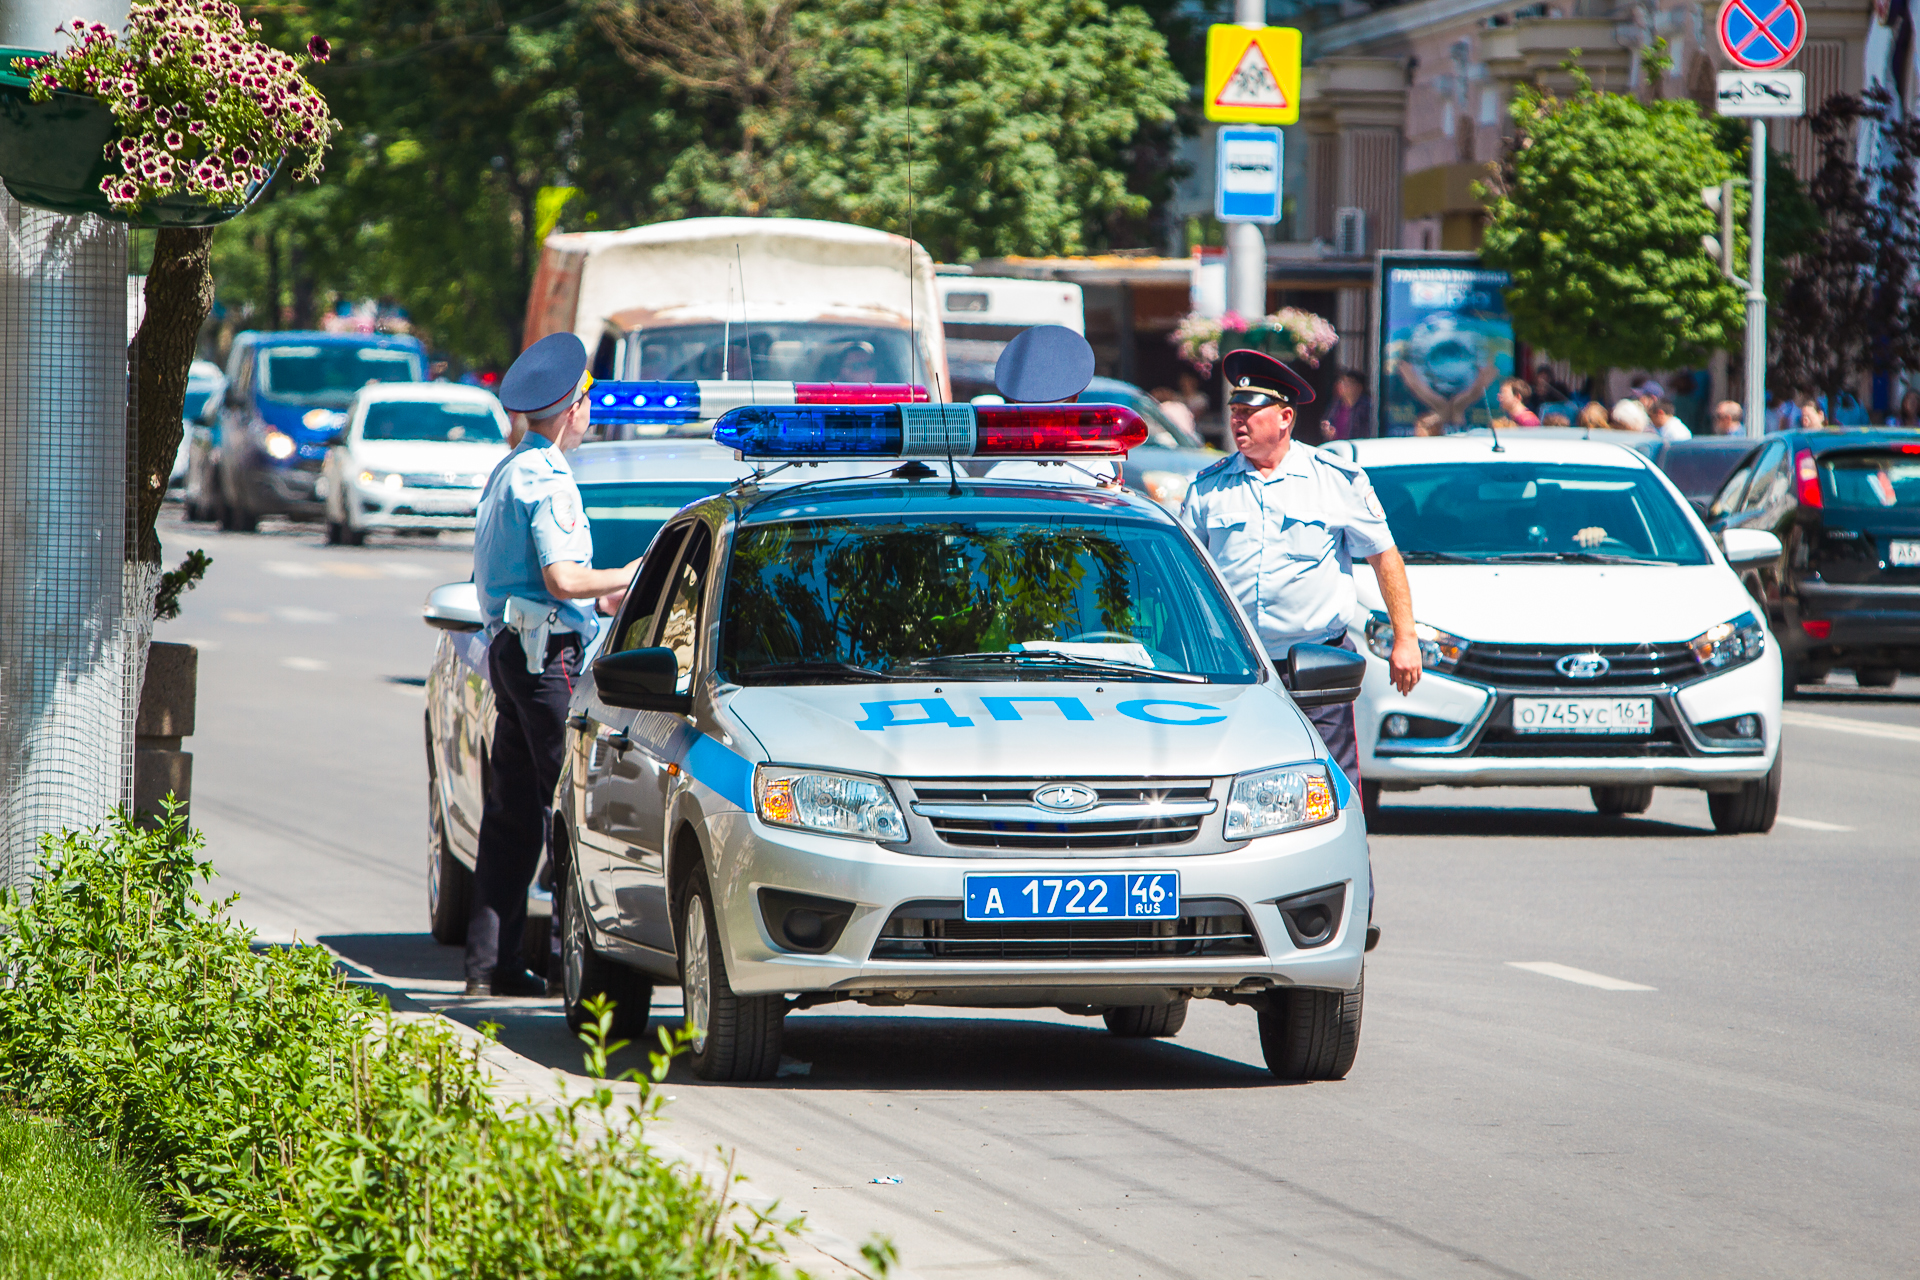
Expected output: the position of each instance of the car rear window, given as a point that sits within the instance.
(439, 422)
(1878, 478)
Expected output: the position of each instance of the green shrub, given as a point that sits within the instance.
(297, 1123)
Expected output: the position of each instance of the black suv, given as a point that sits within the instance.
(1845, 591)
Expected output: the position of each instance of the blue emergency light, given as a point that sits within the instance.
(674, 403)
(931, 431)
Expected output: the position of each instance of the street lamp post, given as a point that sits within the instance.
(1756, 414)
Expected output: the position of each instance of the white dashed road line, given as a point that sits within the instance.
(304, 664)
(1567, 973)
(1810, 824)
(299, 613)
(1847, 724)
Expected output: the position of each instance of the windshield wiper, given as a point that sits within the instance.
(1437, 557)
(1570, 557)
(812, 672)
(1051, 658)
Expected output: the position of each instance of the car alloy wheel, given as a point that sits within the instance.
(696, 982)
(573, 951)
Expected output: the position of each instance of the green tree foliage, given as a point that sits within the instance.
(1598, 219)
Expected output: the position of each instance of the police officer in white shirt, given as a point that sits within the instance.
(1285, 522)
(533, 570)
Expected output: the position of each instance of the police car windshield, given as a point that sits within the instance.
(784, 352)
(976, 598)
(1545, 511)
(626, 516)
(433, 421)
(328, 375)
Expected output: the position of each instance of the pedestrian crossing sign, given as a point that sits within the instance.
(1253, 74)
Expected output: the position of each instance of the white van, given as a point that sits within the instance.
(981, 314)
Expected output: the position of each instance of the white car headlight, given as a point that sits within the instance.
(279, 445)
(1282, 799)
(839, 804)
(382, 479)
(1733, 642)
(1439, 650)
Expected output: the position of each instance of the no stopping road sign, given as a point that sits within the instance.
(1762, 34)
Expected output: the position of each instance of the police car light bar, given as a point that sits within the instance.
(671, 403)
(932, 431)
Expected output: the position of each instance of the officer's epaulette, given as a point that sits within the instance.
(1212, 467)
(1337, 462)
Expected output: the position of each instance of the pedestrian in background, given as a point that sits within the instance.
(1812, 418)
(1513, 403)
(1629, 415)
(1727, 418)
(1351, 416)
(1285, 522)
(1667, 422)
(1782, 413)
(1174, 406)
(1593, 417)
(1429, 424)
(1544, 390)
(1909, 414)
(533, 571)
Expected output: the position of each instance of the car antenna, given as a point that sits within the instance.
(913, 326)
(753, 390)
(726, 335)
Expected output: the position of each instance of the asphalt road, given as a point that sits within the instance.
(1736, 1098)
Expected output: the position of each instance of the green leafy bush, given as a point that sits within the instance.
(296, 1122)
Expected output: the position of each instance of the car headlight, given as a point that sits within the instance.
(1168, 488)
(279, 445)
(1439, 650)
(1733, 642)
(383, 479)
(1282, 799)
(839, 804)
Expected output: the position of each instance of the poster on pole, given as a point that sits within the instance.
(1444, 342)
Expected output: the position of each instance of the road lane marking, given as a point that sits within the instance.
(1567, 973)
(304, 664)
(1809, 824)
(1847, 724)
(300, 613)
(346, 569)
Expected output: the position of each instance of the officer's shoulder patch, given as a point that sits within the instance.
(1342, 464)
(1213, 468)
(566, 509)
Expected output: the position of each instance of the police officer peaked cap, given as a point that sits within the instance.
(546, 373)
(1044, 365)
(1256, 378)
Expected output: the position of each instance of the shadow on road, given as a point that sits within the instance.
(1814, 694)
(931, 1049)
(1428, 820)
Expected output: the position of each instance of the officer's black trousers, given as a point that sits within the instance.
(1335, 724)
(523, 767)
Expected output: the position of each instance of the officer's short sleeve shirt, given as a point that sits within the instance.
(1286, 545)
(530, 516)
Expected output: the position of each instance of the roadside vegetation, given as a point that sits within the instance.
(287, 1120)
(67, 1214)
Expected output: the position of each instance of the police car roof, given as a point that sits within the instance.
(931, 496)
(1519, 444)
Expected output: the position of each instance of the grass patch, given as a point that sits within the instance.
(67, 1214)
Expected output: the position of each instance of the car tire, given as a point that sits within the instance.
(1618, 801)
(586, 974)
(336, 535)
(449, 882)
(1370, 802)
(1876, 677)
(236, 518)
(1147, 1021)
(733, 1037)
(1752, 809)
(1312, 1035)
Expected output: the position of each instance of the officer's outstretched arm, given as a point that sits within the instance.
(1390, 571)
(567, 580)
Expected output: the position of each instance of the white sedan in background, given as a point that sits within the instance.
(412, 456)
(1578, 625)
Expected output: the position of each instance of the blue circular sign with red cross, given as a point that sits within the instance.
(1762, 34)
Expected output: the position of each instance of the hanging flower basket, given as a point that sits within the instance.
(180, 121)
(1288, 334)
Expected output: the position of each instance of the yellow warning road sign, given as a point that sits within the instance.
(1253, 74)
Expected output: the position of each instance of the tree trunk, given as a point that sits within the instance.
(179, 296)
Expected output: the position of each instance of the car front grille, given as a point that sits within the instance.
(439, 480)
(935, 931)
(1505, 744)
(1002, 814)
(1534, 666)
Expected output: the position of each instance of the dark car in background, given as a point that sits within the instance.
(1165, 465)
(1700, 466)
(1845, 591)
(286, 396)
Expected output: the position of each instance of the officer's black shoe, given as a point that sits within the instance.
(476, 988)
(518, 983)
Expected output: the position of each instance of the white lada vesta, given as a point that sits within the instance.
(907, 740)
(1578, 626)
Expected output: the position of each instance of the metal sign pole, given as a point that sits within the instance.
(1246, 243)
(1756, 414)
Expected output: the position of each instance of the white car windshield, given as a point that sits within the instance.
(1534, 511)
(328, 375)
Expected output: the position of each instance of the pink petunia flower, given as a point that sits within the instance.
(174, 139)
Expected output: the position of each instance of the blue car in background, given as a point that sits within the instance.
(286, 395)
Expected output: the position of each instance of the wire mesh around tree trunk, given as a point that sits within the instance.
(71, 656)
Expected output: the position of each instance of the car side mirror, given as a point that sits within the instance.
(1322, 676)
(640, 680)
(1744, 547)
(454, 607)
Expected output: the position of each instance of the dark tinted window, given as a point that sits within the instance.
(791, 352)
(1699, 472)
(1879, 478)
(626, 516)
(327, 375)
(881, 593)
(455, 422)
(1534, 510)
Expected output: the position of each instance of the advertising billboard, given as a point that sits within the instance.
(1445, 342)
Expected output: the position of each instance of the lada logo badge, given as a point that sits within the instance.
(1583, 666)
(1064, 797)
